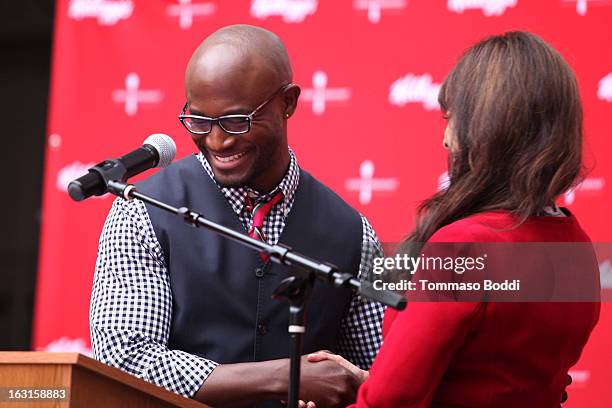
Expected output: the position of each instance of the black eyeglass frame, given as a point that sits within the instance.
(217, 120)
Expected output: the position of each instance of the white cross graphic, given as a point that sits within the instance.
(319, 94)
(131, 96)
(186, 11)
(604, 90)
(582, 5)
(54, 141)
(375, 7)
(366, 184)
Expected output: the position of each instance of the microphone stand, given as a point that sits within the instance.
(295, 289)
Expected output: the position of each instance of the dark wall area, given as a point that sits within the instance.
(25, 46)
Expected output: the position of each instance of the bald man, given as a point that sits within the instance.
(191, 311)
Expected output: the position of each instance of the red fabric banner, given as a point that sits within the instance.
(368, 124)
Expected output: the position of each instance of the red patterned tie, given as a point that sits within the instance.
(259, 215)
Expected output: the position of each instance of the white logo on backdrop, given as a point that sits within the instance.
(54, 141)
(108, 12)
(489, 7)
(443, 181)
(582, 5)
(65, 344)
(375, 7)
(415, 89)
(605, 88)
(367, 184)
(132, 96)
(185, 10)
(588, 185)
(292, 11)
(580, 377)
(320, 94)
(69, 173)
(605, 273)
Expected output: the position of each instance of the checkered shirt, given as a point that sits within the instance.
(131, 303)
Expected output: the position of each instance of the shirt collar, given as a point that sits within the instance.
(236, 196)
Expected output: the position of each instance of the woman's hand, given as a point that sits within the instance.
(362, 375)
(326, 381)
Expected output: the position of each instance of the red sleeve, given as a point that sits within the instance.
(416, 353)
(418, 346)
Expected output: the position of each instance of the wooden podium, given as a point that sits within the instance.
(89, 383)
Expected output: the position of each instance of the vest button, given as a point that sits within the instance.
(262, 330)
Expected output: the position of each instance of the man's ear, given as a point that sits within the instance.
(291, 96)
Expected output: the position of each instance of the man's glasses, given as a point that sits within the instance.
(233, 124)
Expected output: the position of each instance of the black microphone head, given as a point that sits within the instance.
(165, 147)
(158, 150)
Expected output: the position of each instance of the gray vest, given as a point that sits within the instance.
(221, 291)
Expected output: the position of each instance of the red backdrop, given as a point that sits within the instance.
(368, 124)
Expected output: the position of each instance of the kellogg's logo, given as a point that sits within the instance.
(65, 344)
(108, 12)
(415, 89)
(589, 186)
(292, 11)
(489, 7)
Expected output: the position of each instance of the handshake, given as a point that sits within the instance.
(329, 380)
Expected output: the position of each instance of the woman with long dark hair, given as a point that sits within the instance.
(514, 137)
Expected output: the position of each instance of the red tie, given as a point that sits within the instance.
(259, 215)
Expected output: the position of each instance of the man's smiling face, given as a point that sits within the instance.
(224, 80)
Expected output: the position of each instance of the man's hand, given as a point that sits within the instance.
(327, 383)
(239, 385)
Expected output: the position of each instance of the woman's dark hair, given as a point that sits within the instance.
(515, 114)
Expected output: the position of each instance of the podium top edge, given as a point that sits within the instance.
(8, 358)
(40, 357)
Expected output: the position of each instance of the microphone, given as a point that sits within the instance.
(158, 150)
